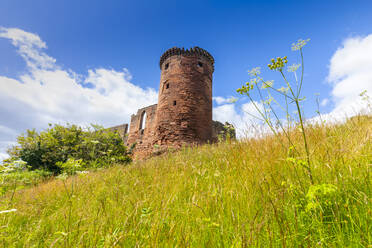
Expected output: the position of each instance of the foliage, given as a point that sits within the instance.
(15, 175)
(233, 194)
(20, 179)
(11, 166)
(49, 150)
(71, 166)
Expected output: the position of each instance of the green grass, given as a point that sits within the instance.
(233, 194)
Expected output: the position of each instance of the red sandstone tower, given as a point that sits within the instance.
(184, 110)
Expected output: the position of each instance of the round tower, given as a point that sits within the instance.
(184, 110)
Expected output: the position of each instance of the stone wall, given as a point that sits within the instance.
(222, 131)
(143, 137)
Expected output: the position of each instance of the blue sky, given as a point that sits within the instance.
(51, 51)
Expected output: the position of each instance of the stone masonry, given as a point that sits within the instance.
(183, 115)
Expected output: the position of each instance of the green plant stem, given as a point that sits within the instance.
(305, 141)
(308, 167)
(277, 90)
(302, 73)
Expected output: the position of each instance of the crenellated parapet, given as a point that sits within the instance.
(194, 51)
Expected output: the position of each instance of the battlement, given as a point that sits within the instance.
(194, 51)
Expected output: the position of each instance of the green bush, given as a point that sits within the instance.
(50, 149)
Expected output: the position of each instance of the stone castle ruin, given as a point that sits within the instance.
(183, 115)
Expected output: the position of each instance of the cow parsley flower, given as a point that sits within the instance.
(293, 68)
(255, 71)
(300, 44)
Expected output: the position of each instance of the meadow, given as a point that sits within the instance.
(247, 193)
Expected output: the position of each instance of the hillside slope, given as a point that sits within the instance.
(233, 194)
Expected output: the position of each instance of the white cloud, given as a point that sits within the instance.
(29, 46)
(48, 94)
(350, 74)
(324, 102)
(222, 100)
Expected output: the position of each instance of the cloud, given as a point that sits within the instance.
(324, 102)
(350, 74)
(222, 100)
(29, 46)
(48, 94)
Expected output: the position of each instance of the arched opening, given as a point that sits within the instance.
(143, 121)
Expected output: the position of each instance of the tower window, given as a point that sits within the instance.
(167, 86)
(200, 64)
(166, 66)
(142, 121)
(174, 103)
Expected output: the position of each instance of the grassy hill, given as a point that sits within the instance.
(233, 194)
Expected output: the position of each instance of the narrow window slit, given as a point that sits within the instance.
(174, 103)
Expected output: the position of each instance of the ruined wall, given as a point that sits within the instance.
(122, 130)
(142, 136)
(184, 112)
(222, 131)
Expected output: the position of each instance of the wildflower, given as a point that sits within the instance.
(278, 63)
(268, 100)
(293, 68)
(255, 71)
(214, 224)
(283, 90)
(320, 196)
(364, 92)
(245, 89)
(232, 100)
(206, 219)
(300, 44)
(8, 211)
(62, 176)
(82, 172)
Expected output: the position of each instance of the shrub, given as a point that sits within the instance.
(50, 149)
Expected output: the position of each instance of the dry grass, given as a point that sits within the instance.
(235, 194)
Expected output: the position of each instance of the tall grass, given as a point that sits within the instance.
(233, 194)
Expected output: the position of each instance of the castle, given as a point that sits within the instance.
(183, 115)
